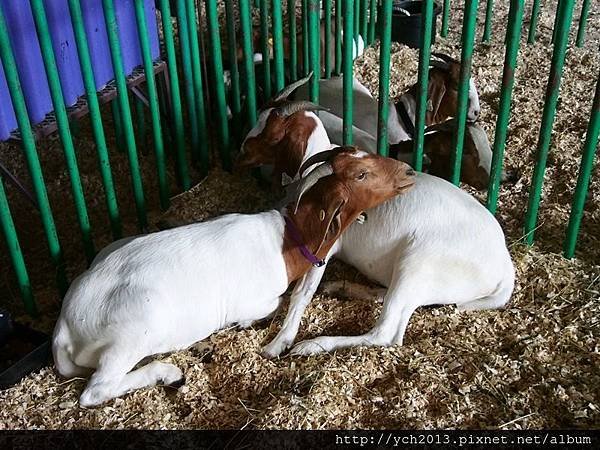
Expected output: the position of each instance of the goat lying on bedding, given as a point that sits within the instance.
(165, 291)
(434, 245)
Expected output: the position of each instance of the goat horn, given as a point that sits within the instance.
(310, 180)
(320, 157)
(439, 64)
(286, 91)
(444, 57)
(301, 105)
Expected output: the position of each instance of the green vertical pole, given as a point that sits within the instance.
(169, 42)
(585, 9)
(115, 51)
(535, 12)
(552, 91)
(234, 72)
(159, 150)
(424, 56)
(385, 24)
(372, 21)
(348, 104)
(117, 125)
(338, 37)
(214, 40)
(198, 88)
(356, 4)
(249, 77)
(28, 146)
(188, 76)
(585, 172)
(62, 121)
(264, 45)
(445, 18)
(513, 39)
(327, 30)
(364, 15)
(16, 256)
(140, 118)
(556, 17)
(315, 42)
(89, 82)
(305, 50)
(292, 31)
(278, 45)
(468, 39)
(489, 12)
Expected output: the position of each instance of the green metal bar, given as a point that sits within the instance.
(424, 57)
(62, 121)
(117, 125)
(314, 28)
(513, 39)
(327, 30)
(556, 17)
(277, 19)
(385, 24)
(305, 49)
(364, 15)
(89, 82)
(445, 18)
(264, 45)
(16, 256)
(372, 22)
(140, 118)
(292, 31)
(338, 37)
(487, 29)
(356, 5)
(188, 76)
(159, 150)
(196, 63)
(552, 92)
(214, 40)
(115, 51)
(28, 146)
(348, 103)
(535, 13)
(249, 77)
(169, 42)
(468, 40)
(585, 9)
(585, 172)
(234, 72)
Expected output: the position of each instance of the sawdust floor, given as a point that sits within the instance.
(532, 365)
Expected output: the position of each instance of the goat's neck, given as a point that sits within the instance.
(307, 221)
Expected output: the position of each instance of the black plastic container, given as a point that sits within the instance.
(406, 29)
(22, 351)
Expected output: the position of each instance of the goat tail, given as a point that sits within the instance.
(62, 348)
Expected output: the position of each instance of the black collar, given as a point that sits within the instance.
(409, 126)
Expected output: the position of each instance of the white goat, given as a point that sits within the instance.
(434, 245)
(165, 291)
(442, 103)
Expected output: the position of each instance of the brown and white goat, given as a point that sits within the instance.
(163, 292)
(434, 245)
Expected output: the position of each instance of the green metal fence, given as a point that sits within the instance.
(194, 123)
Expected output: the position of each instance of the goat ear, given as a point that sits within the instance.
(330, 221)
(435, 94)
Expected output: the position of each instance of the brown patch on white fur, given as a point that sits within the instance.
(442, 93)
(282, 144)
(357, 184)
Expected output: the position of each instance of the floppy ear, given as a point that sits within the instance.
(435, 93)
(330, 221)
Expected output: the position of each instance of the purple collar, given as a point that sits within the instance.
(295, 235)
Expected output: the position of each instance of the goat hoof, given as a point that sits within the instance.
(308, 348)
(273, 349)
(177, 383)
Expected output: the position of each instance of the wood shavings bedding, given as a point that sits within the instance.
(532, 365)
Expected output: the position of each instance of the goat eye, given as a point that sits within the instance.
(362, 176)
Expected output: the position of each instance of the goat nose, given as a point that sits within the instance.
(410, 172)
